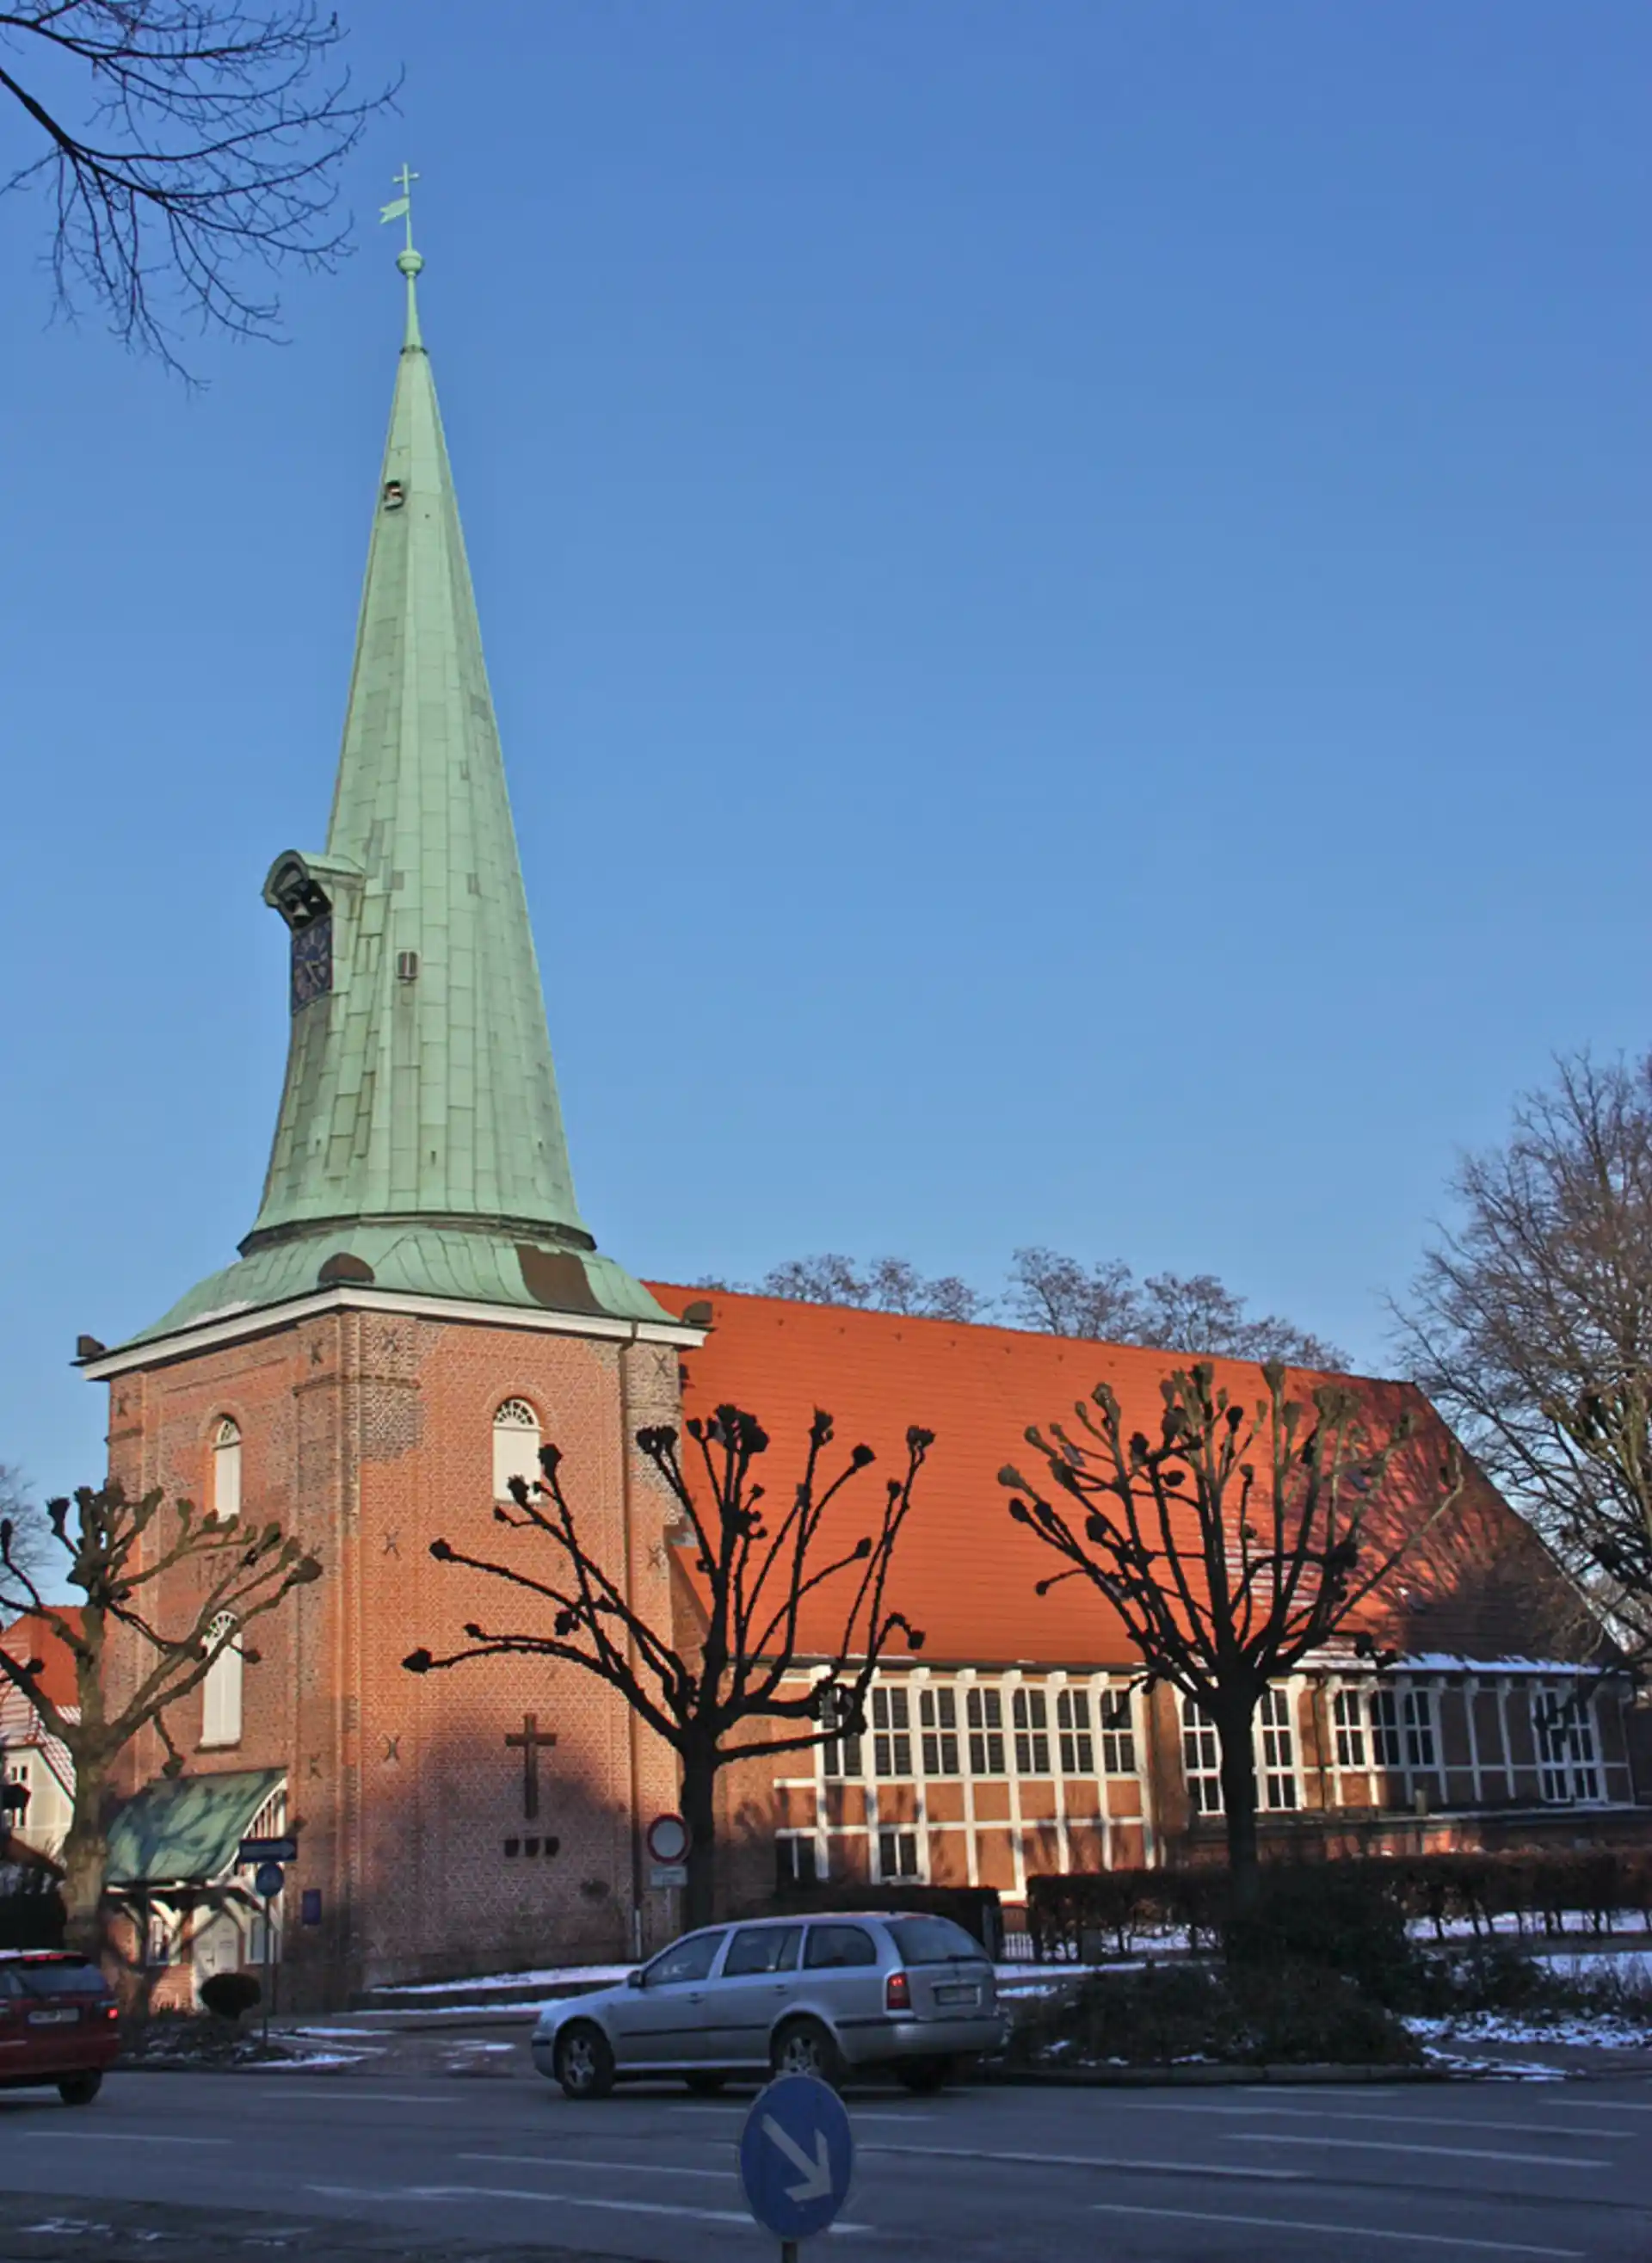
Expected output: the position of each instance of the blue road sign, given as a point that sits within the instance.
(797, 2157)
(269, 1879)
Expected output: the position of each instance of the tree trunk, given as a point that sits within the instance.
(1235, 1727)
(699, 1812)
(85, 1859)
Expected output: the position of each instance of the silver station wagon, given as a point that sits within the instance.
(826, 1996)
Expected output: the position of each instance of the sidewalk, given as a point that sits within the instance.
(154, 2231)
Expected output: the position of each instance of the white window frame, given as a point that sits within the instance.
(1200, 1759)
(1279, 1785)
(223, 1688)
(1567, 1750)
(227, 1469)
(518, 1434)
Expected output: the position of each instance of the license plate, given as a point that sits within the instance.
(956, 1995)
(53, 2018)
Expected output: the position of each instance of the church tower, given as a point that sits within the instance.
(418, 1302)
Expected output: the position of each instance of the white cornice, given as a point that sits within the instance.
(264, 1320)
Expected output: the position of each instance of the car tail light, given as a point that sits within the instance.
(897, 1993)
(110, 2011)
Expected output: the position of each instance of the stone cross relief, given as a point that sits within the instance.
(531, 1741)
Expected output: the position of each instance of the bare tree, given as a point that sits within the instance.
(888, 1284)
(177, 140)
(757, 1569)
(20, 1509)
(1194, 1313)
(121, 1555)
(1531, 1325)
(1234, 1544)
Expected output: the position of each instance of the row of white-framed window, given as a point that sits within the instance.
(1394, 1732)
(965, 1730)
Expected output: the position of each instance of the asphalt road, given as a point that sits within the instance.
(1557, 2172)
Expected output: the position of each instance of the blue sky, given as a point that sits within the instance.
(1065, 588)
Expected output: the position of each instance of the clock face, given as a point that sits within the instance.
(311, 962)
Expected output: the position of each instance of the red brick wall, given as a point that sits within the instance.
(370, 1435)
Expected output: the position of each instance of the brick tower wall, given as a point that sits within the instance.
(369, 1434)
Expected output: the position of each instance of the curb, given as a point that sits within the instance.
(1194, 2078)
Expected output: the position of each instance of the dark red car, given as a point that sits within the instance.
(58, 2023)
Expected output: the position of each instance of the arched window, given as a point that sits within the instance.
(227, 1469)
(516, 1446)
(221, 1691)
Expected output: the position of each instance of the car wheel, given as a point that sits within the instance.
(805, 2047)
(922, 2075)
(80, 2089)
(705, 2083)
(584, 2062)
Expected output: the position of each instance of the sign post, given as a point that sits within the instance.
(268, 1880)
(668, 1838)
(796, 2159)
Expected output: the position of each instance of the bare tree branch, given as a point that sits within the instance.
(177, 141)
(754, 1575)
(1167, 1532)
(1530, 1326)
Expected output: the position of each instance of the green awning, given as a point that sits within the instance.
(186, 1829)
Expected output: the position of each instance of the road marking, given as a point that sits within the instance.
(871, 2113)
(126, 2137)
(1445, 2153)
(1090, 2161)
(1603, 2105)
(561, 2200)
(567, 2161)
(1344, 2230)
(1434, 2122)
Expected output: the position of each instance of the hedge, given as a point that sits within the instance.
(1538, 1890)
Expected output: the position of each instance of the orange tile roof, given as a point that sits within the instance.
(964, 1573)
(32, 1637)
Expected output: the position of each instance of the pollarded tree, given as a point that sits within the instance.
(123, 1556)
(1234, 1544)
(759, 1574)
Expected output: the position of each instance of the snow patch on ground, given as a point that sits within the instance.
(553, 1976)
(1570, 2030)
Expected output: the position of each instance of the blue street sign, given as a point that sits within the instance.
(269, 1877)
(797, 2157)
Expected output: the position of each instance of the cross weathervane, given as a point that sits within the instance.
(401, 208)
(529, 1741)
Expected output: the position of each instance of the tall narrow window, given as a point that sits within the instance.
(1350, 1729)
(221, 1691)
(1072, 1732)
(1278, 1749)
(1386, 1749)
(891, 1738)
(984, 1710)
(1565, 1745)
(1420, 1729)
(516, 1446)
(1029, 1712)
(1200, 1759)
(227, 1471)
(938, 1719)
(1118, 1734)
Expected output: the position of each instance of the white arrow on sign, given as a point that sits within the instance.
(816, 2173)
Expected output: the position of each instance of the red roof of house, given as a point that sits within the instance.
(964, 1573)
(32, 1636)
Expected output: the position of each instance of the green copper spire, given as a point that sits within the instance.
(420, 1143)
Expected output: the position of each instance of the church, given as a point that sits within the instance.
(420, 1302)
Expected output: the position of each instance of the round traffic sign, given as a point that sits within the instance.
(797, 2157)
(269, 1879)
(667, 1838)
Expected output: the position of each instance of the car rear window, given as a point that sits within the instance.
(66, 1977)
(935, 1940)
(834, 1945)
